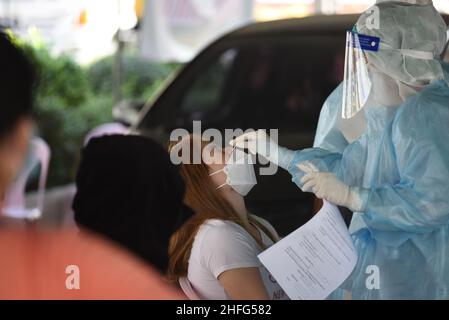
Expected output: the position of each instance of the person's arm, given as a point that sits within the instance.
(418, 202)
(243, 284)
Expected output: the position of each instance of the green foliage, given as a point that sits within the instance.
(62, 97)
(140, 77)
(71, 100)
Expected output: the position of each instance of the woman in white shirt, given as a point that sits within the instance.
(216, 250)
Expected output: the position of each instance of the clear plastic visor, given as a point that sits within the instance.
(356, 82)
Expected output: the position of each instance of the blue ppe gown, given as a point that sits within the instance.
(402, 163)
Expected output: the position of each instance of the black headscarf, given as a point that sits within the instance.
(129, 191)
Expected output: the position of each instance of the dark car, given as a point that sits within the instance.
(272, 75)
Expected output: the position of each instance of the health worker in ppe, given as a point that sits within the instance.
(382, 150)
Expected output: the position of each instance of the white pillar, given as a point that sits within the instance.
(249, 9)
(325, 6)
(318, 6)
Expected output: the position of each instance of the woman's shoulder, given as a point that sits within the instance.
(216, 228)
(266, 225)
(222, 245)
(222, 236)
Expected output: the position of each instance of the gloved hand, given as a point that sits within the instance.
(258, 142)
(326, 186)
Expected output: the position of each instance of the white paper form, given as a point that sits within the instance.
(313, 261)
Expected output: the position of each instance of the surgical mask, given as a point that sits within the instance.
(352, 128)
(240, 172)
(385, 90)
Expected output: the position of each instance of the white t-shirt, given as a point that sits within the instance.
(220, 246)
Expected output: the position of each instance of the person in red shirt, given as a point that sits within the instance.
(53, 263)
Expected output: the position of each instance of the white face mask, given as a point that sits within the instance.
(240, 172)
(352, 128)
(385, 90)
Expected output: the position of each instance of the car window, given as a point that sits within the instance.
(265, 85)
(203, 96)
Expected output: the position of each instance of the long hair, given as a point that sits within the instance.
(207, 202)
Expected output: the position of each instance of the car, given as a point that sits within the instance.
(270, 75)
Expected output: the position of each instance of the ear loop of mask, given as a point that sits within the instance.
(416, 54)
(218, 171)
(223, 170)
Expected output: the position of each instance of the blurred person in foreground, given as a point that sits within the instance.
(130, 192)
(55, 264)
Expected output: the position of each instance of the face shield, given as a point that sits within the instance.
(357, 83)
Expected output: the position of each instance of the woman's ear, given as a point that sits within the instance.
(13, 149)
(19, 138)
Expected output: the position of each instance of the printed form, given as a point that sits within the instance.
(313, 261)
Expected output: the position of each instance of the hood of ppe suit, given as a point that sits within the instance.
(403, 26)
(416, 2)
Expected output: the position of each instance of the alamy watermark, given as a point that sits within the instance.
(72, 281)
(196, 153)
(373, 19)
(372, 281)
